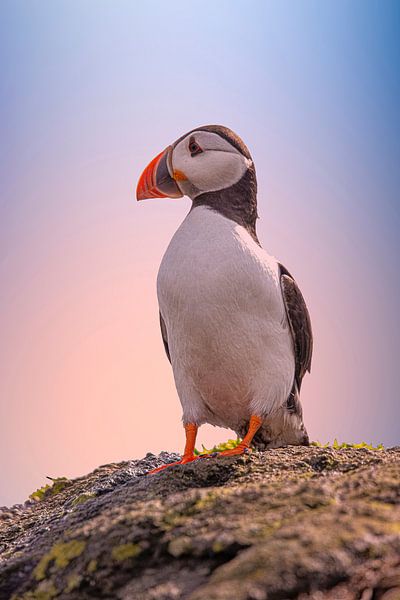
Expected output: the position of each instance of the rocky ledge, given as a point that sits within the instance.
(308, 523)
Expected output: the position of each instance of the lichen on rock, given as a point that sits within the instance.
(60, 555)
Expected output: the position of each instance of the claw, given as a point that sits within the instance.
(208, 455)
(240, 449)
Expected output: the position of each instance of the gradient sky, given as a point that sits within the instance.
(89, 93)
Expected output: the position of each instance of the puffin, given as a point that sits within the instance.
(234, 323)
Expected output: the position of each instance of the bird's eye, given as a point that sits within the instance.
(194, 148)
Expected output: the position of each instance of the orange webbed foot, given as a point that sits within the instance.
(191, 431)
(184, 460)
(244, 446)
(188, 455)
(240, 449)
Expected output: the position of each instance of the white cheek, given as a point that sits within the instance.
(212, 170)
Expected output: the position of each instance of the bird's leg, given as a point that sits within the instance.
(244, 446)
(188, 454)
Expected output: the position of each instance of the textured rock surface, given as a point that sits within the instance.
(307, 523)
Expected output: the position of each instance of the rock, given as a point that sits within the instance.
(308, 523)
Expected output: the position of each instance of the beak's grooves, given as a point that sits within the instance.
(156, 181)
(147, 187)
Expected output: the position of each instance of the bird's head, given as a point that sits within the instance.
(212, 166)
(206, 160)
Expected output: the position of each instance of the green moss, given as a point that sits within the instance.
(229, 445)
(394, 528)
(82, 499)
(319, 445)
(61, 554)
(125, 551)
(218, 547)
(59, 483)
(204, 503)
(73, 582)
(300, 476)
(339, 446)
(92, 566)
(46, 590)
(171, 520)
(40, 493)
(379, 505)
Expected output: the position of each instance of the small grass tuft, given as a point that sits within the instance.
(92, 566)
(83, 498)
(339, 446)
(59, 483)
(229, 445)
(125, 551)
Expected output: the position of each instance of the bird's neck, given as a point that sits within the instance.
(238, 202)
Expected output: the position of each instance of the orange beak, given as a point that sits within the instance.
(157, 179)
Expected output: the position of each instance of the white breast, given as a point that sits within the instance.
(230, 345)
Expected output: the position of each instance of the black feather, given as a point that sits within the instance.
(300, 324)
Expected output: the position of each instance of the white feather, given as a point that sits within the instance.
(229, 340)
(219, 166)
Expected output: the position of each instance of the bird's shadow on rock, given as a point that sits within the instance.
(203, 473)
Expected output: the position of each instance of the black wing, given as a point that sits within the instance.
(300, 324)
(164, 337)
